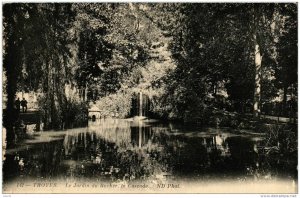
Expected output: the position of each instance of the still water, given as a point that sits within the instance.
(126, 150)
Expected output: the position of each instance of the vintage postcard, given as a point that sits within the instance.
(149, 98)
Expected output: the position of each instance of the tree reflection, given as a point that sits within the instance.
(122, 150)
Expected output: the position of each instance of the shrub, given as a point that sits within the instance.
(118, 104)
(66, 114)
(281, 139)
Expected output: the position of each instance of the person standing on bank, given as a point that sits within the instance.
(24, 105)
(17, 104)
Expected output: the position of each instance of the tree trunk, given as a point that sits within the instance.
(11, 66)
(257, 88)
(85, 93)
(11, 88)
(284, 110)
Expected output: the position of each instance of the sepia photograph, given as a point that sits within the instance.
(149, 98)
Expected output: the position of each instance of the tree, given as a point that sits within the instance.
(94, 52)
(287, 49)
(215, 44)
(13, 22)
(53, 49)
(43, 46)
(110, 47)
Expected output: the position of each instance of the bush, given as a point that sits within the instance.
(66, 114)
(281, 139)
(75, 114)
(117, 105)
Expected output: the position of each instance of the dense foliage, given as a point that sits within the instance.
(187, 58)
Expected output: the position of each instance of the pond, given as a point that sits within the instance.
(118, 150)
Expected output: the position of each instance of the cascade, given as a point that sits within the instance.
(141, 104)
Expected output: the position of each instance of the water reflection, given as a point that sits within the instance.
(122, 150)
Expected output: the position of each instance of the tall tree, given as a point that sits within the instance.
(54, 50)
(287, 49)
(13, 22)
(42, 39)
